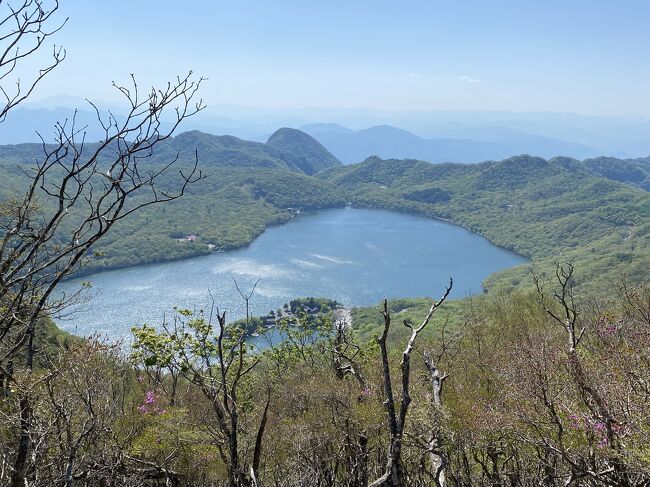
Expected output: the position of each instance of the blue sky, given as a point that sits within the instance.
(580, 56)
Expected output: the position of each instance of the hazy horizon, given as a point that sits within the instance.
(65, 100)
(579, 58)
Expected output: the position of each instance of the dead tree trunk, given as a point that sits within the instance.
(436, 453)
(20, 463)
(395, 474)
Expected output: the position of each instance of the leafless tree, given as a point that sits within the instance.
(246, 296)
(345, 352)
(75, 192)
(25, 28)
(84, 399)
(395, 474)
(432, 362)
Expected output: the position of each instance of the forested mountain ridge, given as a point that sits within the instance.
(316, 157)
(635, 172)
(536, 207)
(247, 187)
(287, 149)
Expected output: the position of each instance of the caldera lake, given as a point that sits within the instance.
(355, 256)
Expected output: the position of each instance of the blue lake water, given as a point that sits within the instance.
(356, 256)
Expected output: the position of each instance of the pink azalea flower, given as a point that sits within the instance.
(149, 398)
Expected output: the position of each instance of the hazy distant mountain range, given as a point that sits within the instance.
(468, 146)
(354, 134)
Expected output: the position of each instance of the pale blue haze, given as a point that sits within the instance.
(586, 56)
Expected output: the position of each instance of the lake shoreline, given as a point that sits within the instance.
(352, 255)
(307, 212)
(78, 275)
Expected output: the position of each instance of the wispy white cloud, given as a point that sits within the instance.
(468, 79)
(414, 75)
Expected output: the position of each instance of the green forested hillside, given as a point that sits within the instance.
(317, 386)
(228, 210)
(536, 207)
(284, 150)
(316, 158)
(247, 187)
(635, 172)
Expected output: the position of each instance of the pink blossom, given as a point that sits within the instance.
(599, 426)
(149, 398)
